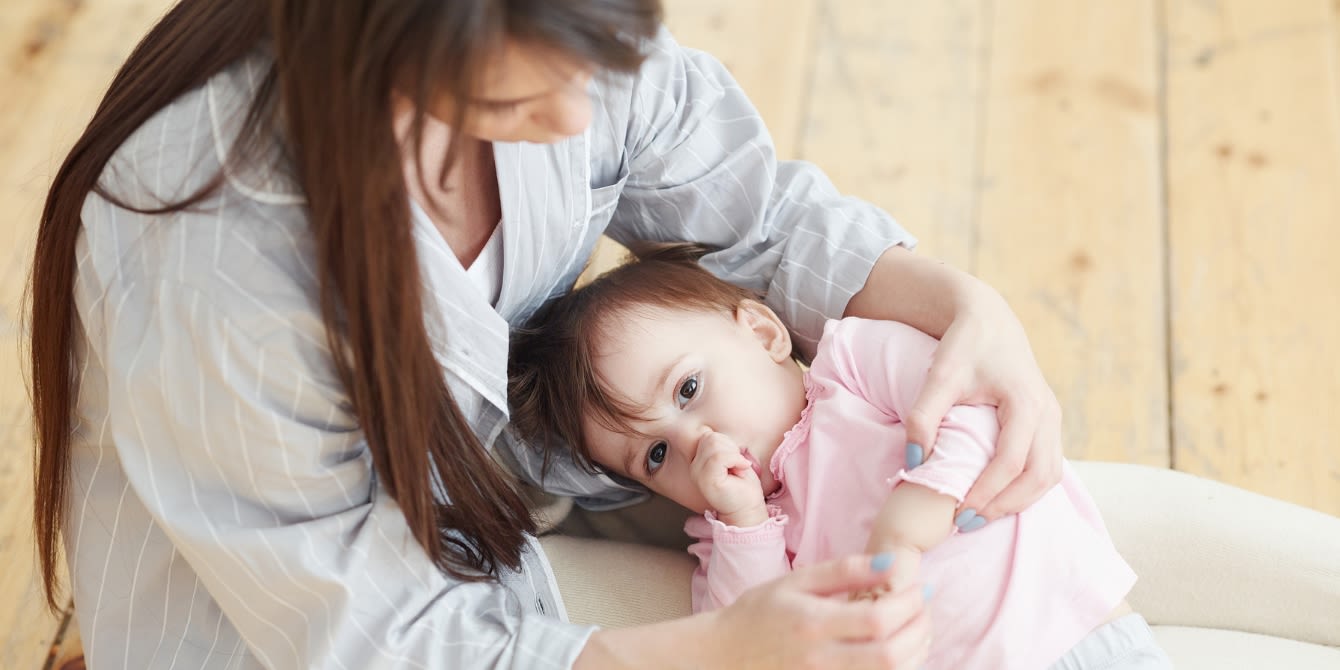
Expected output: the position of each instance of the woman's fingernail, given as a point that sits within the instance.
(881, 562)
(964, 517)
(915, 455)
(927, 591)
(977, 522)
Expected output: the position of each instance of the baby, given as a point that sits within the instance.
(664, 374)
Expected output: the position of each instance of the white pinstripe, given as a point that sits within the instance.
(237, 514)
(186, 626)
(97, 608)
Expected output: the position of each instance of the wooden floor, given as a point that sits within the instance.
(1155, 187)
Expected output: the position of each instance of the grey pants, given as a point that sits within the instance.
(1124, 644)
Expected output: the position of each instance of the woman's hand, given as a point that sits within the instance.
(790, 622)
(984, 358)
(793, 623)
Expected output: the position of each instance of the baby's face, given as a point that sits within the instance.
(695, 372)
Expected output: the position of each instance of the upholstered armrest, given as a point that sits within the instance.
(1214, 556)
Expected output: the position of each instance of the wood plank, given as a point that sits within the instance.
(1254, 159)
(894, 116)
(766, 45)
(1070, 213)
(58, 56)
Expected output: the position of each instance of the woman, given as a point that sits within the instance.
(271, 297)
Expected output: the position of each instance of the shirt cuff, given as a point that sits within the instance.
(770, 530)
(939, 486)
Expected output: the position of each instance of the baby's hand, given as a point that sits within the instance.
(728, 481)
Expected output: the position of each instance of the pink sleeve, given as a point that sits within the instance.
(731, 560)
(885, 363)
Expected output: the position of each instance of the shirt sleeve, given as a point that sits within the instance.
(702, 168)
(731, 560)
(885, 363)
(234, 433)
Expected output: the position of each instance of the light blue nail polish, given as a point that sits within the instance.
(927, 591)
(881, 562)
(915, 455)
(976, 523)
(964, 517)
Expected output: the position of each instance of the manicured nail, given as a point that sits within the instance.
(915, 455)
(881, 562)
(964, 517)
(927, 591)
(976, 523)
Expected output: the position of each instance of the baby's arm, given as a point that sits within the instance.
(912, 521)
(733, 559)
(920, 510)
(885, 363)
(741, 540)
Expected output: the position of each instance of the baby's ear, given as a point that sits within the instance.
(767, 327)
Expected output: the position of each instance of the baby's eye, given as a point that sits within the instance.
(687, 390)
(656, 456)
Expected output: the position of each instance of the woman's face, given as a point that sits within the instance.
(525, 94)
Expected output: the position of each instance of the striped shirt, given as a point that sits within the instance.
(225, 512)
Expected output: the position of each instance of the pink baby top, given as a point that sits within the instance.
(1017, 593)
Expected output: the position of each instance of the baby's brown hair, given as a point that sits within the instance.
(551, 377)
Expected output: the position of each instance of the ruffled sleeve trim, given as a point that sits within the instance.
(767, 531)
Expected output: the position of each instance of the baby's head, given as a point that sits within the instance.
(633, 370)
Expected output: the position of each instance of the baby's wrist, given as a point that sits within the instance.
(750, 516)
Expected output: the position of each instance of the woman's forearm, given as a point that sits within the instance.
(659, 645)
(921, 292)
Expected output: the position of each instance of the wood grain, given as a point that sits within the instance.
(1070, 213)
(895, 110)
(58, 56)
(1254, 159)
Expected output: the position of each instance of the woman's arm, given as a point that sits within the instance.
(983, 358)
(702, 168)
(791, 622)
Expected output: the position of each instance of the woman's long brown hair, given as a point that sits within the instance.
(329, 96)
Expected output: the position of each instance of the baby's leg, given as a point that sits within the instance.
(1124, 644)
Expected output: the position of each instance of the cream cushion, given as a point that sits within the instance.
(1228, 578)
